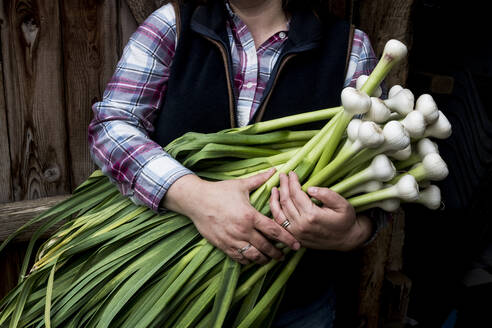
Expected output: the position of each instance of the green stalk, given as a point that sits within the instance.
(372, 197)
(274, 289)
(351, 182)
(334, 166)
(413, 159)
(261, 195)
(288, 121)
(418, 172)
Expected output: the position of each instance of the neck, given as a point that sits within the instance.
(263, 17)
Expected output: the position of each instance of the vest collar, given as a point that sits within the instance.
(305, 29)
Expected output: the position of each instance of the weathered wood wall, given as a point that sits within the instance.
(56, 58)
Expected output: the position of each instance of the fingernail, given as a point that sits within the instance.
(296, 246)
(312, 190)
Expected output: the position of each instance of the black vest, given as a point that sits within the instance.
(308, 75)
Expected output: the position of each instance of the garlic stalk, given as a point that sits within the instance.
(406, 189)
(431, 168)
(360, 82)
(369, 186)
(388, 205)
(395, 138)
(424, 147)
(393, 52)
(381, 169)
(370, 136)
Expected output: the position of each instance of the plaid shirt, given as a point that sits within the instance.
(123, 120)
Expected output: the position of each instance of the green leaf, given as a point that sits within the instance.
(227, 287)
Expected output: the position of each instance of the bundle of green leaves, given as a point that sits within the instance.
(115, 264)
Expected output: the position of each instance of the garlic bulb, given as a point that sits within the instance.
(441, 129)
(402, 102)
(394, 90)
(426, 105)
(401, 155)
(395, 135)
(430, 197)
(370, 135)
(381, 168)
(378, 112)
(435, 167)
(426, 146)
(407, 188)
(354, 101)
(353, 129)
(414, 123)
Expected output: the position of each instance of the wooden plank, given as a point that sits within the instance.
(374, 260)
(141, 9)
(128, 24)
(109, 40)
(5, 177)
(31, 48)
(14, 215)
(82, 66)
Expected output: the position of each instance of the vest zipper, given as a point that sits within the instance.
(261, 109)
(225, 57)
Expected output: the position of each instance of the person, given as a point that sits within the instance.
(205, 66)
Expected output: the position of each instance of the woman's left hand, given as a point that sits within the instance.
(334, 225)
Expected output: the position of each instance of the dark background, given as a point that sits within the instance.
(448, 253)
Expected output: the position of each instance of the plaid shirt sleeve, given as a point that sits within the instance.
(362, 61)
(123, 120)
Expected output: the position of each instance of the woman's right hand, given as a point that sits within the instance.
(223, 215)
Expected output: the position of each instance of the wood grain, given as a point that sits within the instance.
(128, 24)
(5, 178)
(374, 260)
(141, 9)
(83, 63)
(31, 48)
(110, 40)
(14, 215)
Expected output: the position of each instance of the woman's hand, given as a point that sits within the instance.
(333, 226)
(223, 215)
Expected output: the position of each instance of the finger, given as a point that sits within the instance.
(254, 255)
(257, 180)
(329, 198)
(235, 255)
(277, 213)
(286, 203)
(264, 246)
(274, 231)
(300, 199)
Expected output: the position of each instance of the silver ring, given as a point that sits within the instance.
(285, 224)
(244, 249)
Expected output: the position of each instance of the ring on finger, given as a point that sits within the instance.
(244, 249)
(285, 224)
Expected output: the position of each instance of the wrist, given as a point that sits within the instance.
(361, 231)
(179, 196)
